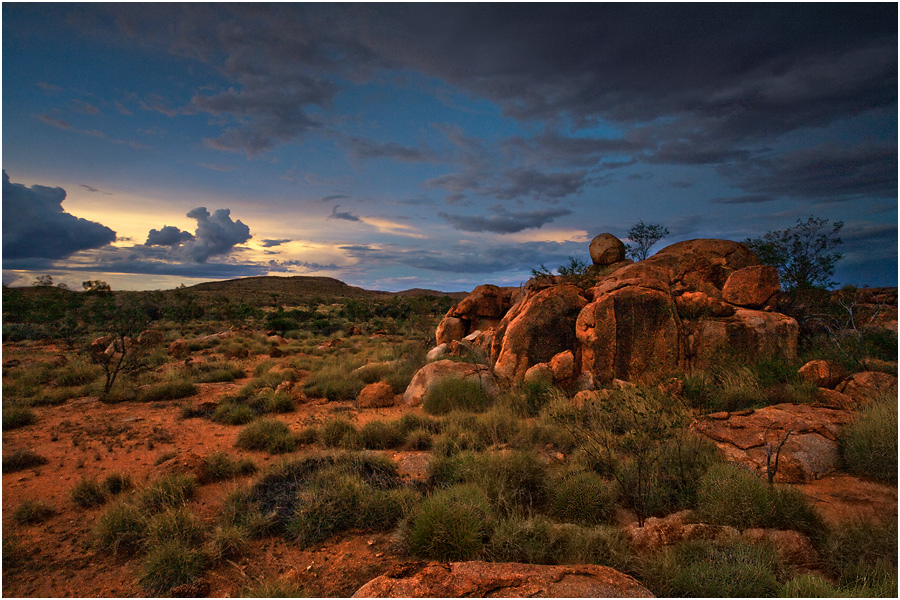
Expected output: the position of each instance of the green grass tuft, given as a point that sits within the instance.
(869, 443)
(267, 435)
(451, 525)
(449, 394)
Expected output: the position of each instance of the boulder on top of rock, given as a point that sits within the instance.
(822, 373)
(606, 249)
(535, 330)
(432, 373)
(754, 334)
(478, 579)
(751, 287)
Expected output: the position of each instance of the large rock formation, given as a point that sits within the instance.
(681, 308)
(502, 580)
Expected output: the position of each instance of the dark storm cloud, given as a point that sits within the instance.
(273, 243)
(342, 216)
(552, 148)
(167, 236)
(746, 199)
(503, 221)
(827, 173)
(468, 259)
(363, 148)
(35, 225)
(543, 186)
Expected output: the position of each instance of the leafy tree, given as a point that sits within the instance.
(643, 237)
(43, 281)
(95, 286)
(576, 272)
(804, 254)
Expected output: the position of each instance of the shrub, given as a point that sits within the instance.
(116, 483)
(698, 568)
(168, 390)
(379, 435)
(456, 394)
(32, 511)
(863, 553)
(536, 396)
(583, 498)
(729, 495)
(169, 565)
(121, 528)
(869, 443)
(174, 524)
(411, 421)
(15, 417)
(452, 524)
(218, 372)
(22, 459)
(308, 435)
(512, 482)
(538, 540)
(218, 466)
(267, 435)
(169, 491)
(88, 493)
(229, 413)
(228, 542)
(419, 439)
(339, 432)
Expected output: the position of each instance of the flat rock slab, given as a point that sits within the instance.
(811, 449)
(502, 580)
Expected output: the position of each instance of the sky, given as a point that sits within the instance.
(396, 146)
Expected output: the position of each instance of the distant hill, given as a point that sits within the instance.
(299, 286)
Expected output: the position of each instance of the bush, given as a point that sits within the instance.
(121, 529)
(729, 495)
(379, 435)
(869, 443)
(32, 511)
(450, 525)
(218, 466)
(169, 390)
(339, 432)
(88, 493)
(169, 565)
(116, 483)
(700, 569)
(174, 524)
(583, 498)
(15, 417)
(863, 553)
(456, 394)
(538, 540)
(228, 542)
(166, 492)
(267, 435)
(216, 372)
(229, 413)
(19, 460)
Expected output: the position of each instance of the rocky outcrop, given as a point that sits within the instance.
(679, 309)
(867, 386)
(432, 373)
(659, 532)
(480, 310)
(811, 449)
(502, 580)
(606, 249)
(535, 330)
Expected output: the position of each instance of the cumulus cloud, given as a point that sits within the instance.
(35, 225)
(503, 221)
(167, 236)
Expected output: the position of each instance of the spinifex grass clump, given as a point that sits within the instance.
(170, 564)
(15, 417)
(869, 443)
(19, 460)
(218, 466)
(452, 524)
(729, 495)
(862, 554)
(89, 492)
(702, 569)
(583, 498)
(456, 394)
(167, 390)
(312, 498)
(32, 511)
(268, 435)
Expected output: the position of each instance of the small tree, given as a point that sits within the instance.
(804, 254)
(95, 286)
(643, 237)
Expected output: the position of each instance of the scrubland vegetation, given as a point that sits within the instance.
(528, 476)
